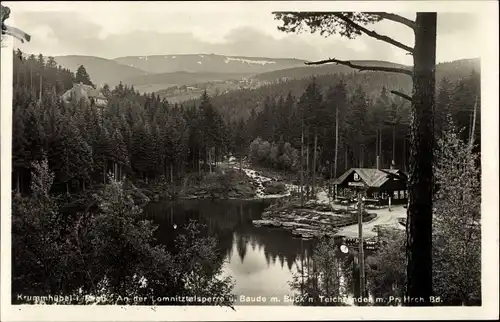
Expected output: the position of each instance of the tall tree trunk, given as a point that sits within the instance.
(104, 172)
(18, 182)
(165, 170)
(313, 192)
(307, 163)
(199, 160)
(194, 160)
(209, 152)
(345, 159)
(404, 153)
(420, 185)
(393, 144)
(361, 247)
(302, 165)
(361, 156)
(380, 152)
(336, 150)
(40, 100)
(473, 126)
(205, 160)
(330, 178)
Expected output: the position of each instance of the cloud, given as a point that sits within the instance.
(457, 23)
(100, 34)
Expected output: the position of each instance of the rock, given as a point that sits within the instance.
(310, 233)
(295, 225)
(266, 223)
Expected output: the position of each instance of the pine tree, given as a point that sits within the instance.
(74, 155)
(313, 112)
(142, 150)
(457, 228)
(356, 123)
(210, 129)
(51, 63)
(119, 154)
(82, 76)
(241, 140)
(106, 91)
(20, 160)
(337, 102)
(102, 152)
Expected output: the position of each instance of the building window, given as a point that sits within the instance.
(396, 194)
(375, 195)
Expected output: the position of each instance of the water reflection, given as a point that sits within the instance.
(263, 261)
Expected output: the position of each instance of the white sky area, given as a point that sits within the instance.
(116, 29)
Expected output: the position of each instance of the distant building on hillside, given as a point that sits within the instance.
(92, 96)
(380, 184)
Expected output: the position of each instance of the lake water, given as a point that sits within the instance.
(261, 261)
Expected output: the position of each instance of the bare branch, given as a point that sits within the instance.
(363, 68)
(403, 95)
(397, 18)
(373, 34)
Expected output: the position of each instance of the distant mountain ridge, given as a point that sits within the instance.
(136, 69)
(157, 72)
(331, 68)
(195, 63)
(101, 70)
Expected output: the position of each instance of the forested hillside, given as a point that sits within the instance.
(145, 137)
(140, 136)
(102, 71)
(452, 70)
(207, 63)
(369, 123)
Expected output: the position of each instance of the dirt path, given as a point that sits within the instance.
(384, 218)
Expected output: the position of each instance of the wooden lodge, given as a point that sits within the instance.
(89, 94)
(382, 186)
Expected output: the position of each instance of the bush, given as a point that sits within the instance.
(108, 253)
(274, 188)
(281, 156)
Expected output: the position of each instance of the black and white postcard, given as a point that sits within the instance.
(210, 160)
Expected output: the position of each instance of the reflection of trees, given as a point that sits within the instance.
(327, 272)
(223, 219)
(324, 275)
(241, 246)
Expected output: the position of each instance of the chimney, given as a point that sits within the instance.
(393, 165)
(378, 162)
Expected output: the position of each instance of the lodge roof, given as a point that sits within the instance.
(373, 178)
(83, 91)
(91, 91)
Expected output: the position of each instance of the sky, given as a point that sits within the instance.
(117, 29)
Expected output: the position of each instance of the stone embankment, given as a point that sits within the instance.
(313, 220)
